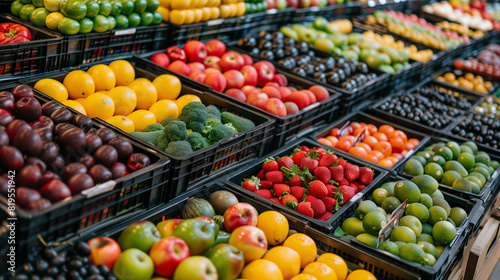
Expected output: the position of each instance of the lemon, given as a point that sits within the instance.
(145, 92)
(186, 99)
(53, 19)
(141, 119)
(103, 76)
(122, 122)
(99, 105)
(164, 109)
(167, 86)
(75, 105)
(124, 72)
(53, 89)
(124, 98)
(79, 84)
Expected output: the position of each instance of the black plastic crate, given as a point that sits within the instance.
(372, 6)
(269, 19)
(132, 194)
(251, 169)
(329, 12)
(461, 73)
(5, 5)
(366, 118)
(41, 54)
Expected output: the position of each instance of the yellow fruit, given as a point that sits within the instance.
(164, 109)
(122, 122)
(167, 86)
(207, 12)
(180, 4)
(274, 225)
(165, 3)
(124, 72)
(124, 98)
(361, 274)
(53, 89)
(285, 258)
(103, 76)
(233, 10)
(99, 105)
(225, 11)
(75, 105)
(198, 15)
(145, 92)
(202, 3)
(304, 246)
(53, 19)
(215, 14)
(189, 16)
(261, 270)
(79, 84)
(165, 13)
(240, 9)
(304, 277)
(185, 99)
(321, 271)
(178, 17)
(336, 263)
(141, 119)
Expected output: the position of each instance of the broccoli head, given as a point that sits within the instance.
(211, 124)
(213, 112)
(219, 132)
(197, 141)
(162, 142)
(150, 137)
(166, 121)
(231, 126)
(153, 127)
(175, 131)
(195, 116)
(179, 148)
(241, 124)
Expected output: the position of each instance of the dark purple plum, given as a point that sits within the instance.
(21, 91)
(50, 150)
(100, 174)
(58, 164)
(87, 160)
(50, 107)
(83, 122)
(105, 134)
(5, 117)
(28, 109)
(72, 169)
(4, 185)
(61, 127)
(29, 176)
(93, 142)
(61, 115)
(73, 138)
(40, 204)
(25, 196)
(137, 161)
(45, 134)
(12, 158)
(106, 155)
(42, 122)
(16, 127)
(49, 176)
(7, 101)
(36, 162)
(123, 147)
(4, 138)
(80, 182)
(55, 190)
(119, 170)
(29, 142)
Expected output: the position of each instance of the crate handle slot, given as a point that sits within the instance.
(99, 189)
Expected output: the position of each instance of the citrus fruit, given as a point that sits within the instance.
(141, 119)
(421, 159)
(426, 183)
(321, 271)
(426, 200)
(261, 270)
(364, 208)
(426, 154)
(443, 232)
(437, 201)
(52, 88)
(419, 211)
(185, 99)
(164, 109)
(53, 19)
(336, 263)
(286, 259)
(167, 86)
(407, 190)
(353, 226)
(304, 277)
(274, 225)
(389, 186)
(436, 214)
(379, 195)
(412, 252)
(435, 170)
(454, 147)
(124, 98)
(414, 167)
(390, 247)
(103, 76)
(368, 239)
(122, 122)
(75, 105)
(413, 223)
(124, 72)
(390, 204)
(304, 246)
(402, 233)
(361, 274)
(145, 92)
(425, 236)
(374, 221)
(428, 248)
(440, 249)
(99, 105)
(79, 84)
(458, 215)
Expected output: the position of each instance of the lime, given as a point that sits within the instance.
(449, 177)
(390, 203)
(455, 148)
(101, 23)
(379, 195)
(429, 259)
(381, 210)
(374, 221)
(407, 190)
(445, 152)
(127, 7)
(390, 247)
(92, 9)
(414, 167)
(134, 19)
(105, 8)
(152, 5)
(402, 233)
(68, 26)
(364, 208)
(443, 232)
(16, 7)
(112, 22)
(437, 193)
(86, 25)
(157, 18)
(426, 183)
(451, 221)
(436, 214)
(389, 186)
(413, 223)
(140, 6)
(116, 8)
(428, 248)
(26, 11)
(426, 200)
(427, 237)
(466, 149)
(146, 18)
(435, 170)
(458, 215)
(471, 145)
(353, 226)
(437, 159)
(368, 239)
(426, 228)
(421, 159)
(121, 21)
(437, 201)
(418, 210)
(38, 16)
(462, 184)
(466, 160)
(413, 253)
(37, 3)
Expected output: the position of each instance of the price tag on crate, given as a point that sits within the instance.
(128, 31)
(360, 138)
(215, 22)
(344, 129)
(271, 11)
(385, 233)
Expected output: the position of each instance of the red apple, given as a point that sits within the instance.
(300, 98)
(199, 77)
(247, 90)
(212, 70)
(310, 95)
(212, 61)
(161, 59)
(195, 51)
(251, 76)
(271, 4)
(280, 79)
(236, 93)
(272, 92)
(104, 251)
(247, 59)
(240, 214)
(272, 84)
(231, 61)
(234, 79)
(167, 254)
(257, 99)
(216, 48)
(176, 53)
(179, 67)
(291, 108)
(292, 89)
(217, 81)
(265, 72)
(320, 92)
(284, 92)
(275, 107)
(293, 3)
(251, 241)
(196, 67)
(166, 228)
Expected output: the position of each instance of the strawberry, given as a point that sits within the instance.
(331, 190)
(276, 177)
(305, 209)
(298, 156)
(318, 207)
(318, 189)
(347, 192)
(308, 163)
(289, 201)
(275, 199)
(286, 162)
(351, 172)
(296, 181)
(337, 173)
(297, 192)
(304, 148)
(310, 198)
(365, 175)
(251, 184)
(327, 160)
(321, 151)
(265, 184)
(323, 174)
(270, 165)
(357, 185)
(343, 182)
(341, 162)
(325, 216)
(279, 189)
(261, 175)
(265, 193)
(329, 203)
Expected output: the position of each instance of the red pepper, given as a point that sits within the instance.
(11, 33)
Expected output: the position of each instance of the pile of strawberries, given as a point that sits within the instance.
(314, 182)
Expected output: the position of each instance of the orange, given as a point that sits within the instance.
(303, 276)
(384, 147)
(386, 162)
(167, 86)
(363, 124)
(52, 88)
(409, 146)
(360, 130)
(399, 133)
(185, 99)
(378, 154)
(358, 151)
(335, 132)
(371, 158)
(206, 13)
(325, 141)
(304, 246)
(336, 263)
(397, 155)
(79, 84)
(370, 140)
(394, 160)
(361, 274)
(286, 259)
(241, 8)
(355, 125)
(164, 109)
(99, 105)
(397, 143)
(321, 271)
(274, 225)
(348, 137)
(380, 136)
(333, 139)
(344, 145)
(386, 129)
(413, 141)
(372, 129)
(261, 270)
(124, 98)
(75, 105)
(103, 76)
(141, 119)
(145, 92)
(122, 122)
(365, 146)
(124, 72)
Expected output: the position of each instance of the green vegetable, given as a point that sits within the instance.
(219, 132)
(197, 141)
(213, 112)
(231, 126)
(153, 127)
(166, 121)
(175, 131)
(195, 116)
(211, 124)
(162, 142)
(241, 124)
(179, 148)
(149, 137)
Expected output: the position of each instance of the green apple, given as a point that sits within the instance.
(196, 268)
(133, 264)
(222, 237)
(228, 261)
(198, 234)
(166, 228)
(141, 235)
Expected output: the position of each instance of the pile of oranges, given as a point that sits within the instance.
(382, 145)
